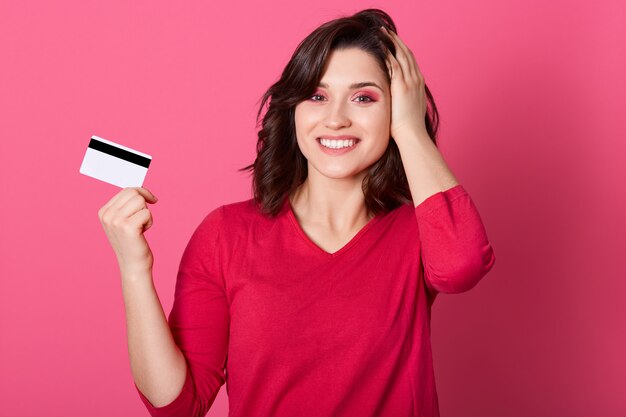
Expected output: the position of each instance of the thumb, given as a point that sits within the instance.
(150, 198)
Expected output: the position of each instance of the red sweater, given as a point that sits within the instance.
(296, 331)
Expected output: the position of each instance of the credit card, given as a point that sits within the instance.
(114, 163)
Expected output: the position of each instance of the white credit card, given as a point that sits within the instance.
(116, 164)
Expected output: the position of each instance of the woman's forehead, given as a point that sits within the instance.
(346, 68)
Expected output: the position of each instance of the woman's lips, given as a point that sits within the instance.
(340, 151)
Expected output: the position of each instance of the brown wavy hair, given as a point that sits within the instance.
(280, 167)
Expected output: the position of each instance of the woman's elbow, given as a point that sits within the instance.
(463, 277)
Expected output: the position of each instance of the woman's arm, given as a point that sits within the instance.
(425, 168)
(177, 364)
(455, 250)
(157, 364)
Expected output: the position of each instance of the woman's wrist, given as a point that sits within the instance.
(135, 272)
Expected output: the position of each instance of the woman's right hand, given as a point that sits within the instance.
(125, 218)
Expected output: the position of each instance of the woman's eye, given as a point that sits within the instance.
(316, 95)
(365, 97)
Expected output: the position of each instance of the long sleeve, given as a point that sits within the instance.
(456, 252)
(199, 322)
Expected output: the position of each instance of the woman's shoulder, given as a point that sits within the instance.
(238, 213)
(240, 209)
(237, 224)
(240, 206)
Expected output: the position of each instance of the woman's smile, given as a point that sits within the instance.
(337, 147)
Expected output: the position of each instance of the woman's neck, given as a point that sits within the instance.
(335, 204)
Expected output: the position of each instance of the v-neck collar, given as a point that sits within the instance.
(294, 221)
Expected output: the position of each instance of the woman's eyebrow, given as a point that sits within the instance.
(356, 85)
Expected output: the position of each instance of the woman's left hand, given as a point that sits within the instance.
(408, 97)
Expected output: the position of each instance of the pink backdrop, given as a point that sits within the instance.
(529, 93)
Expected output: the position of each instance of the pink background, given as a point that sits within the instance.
(528, 91)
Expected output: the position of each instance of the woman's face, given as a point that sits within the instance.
(342, 107)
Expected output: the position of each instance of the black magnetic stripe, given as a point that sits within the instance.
(119, 153)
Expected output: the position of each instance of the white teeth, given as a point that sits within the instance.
(337, 144)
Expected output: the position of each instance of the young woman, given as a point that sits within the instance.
(313, 298)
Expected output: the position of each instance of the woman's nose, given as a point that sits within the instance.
(337, 116)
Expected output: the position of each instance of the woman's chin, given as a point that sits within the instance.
(342, 173)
